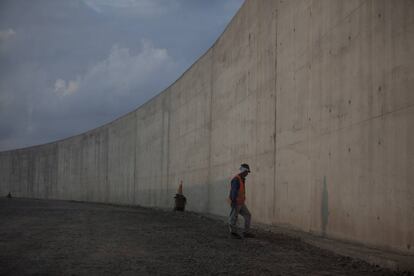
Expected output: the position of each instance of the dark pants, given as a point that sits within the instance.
(234, 213)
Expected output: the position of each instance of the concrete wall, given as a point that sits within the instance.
(316, 95)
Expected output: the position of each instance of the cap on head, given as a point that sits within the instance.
(244, 168)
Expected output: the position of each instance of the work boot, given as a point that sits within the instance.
(248, 235)
(235, 235)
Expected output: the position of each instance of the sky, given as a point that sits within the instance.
(68, 66)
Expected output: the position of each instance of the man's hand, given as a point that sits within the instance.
(233, 204)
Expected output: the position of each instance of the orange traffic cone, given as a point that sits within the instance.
(180, 199)
(180, 188)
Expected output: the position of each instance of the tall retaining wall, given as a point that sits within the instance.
(317, 96)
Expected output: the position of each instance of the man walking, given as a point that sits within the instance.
(237, 199)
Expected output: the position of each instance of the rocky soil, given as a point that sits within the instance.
(69, 238)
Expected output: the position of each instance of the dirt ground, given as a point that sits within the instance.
(44, 237)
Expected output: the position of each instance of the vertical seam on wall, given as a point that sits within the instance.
(56, 171)
(210, 124)
(274, 134)
(107, 190)
(81, 178)
(9, 179)
(168, 143)
(310, 180)
(135, 155)
(163, 111)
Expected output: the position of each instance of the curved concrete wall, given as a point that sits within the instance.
(316, 95)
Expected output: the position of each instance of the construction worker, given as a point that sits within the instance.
(237, 199)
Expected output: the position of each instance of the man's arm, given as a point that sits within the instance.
(235, 186)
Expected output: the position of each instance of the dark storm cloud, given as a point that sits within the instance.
(69, 66)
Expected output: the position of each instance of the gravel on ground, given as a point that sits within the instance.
(50, 237)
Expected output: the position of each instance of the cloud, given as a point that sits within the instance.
(61, 88)
(108, 89)
(122, 73)
(7, 34)
(117, 84)
(135, 8)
